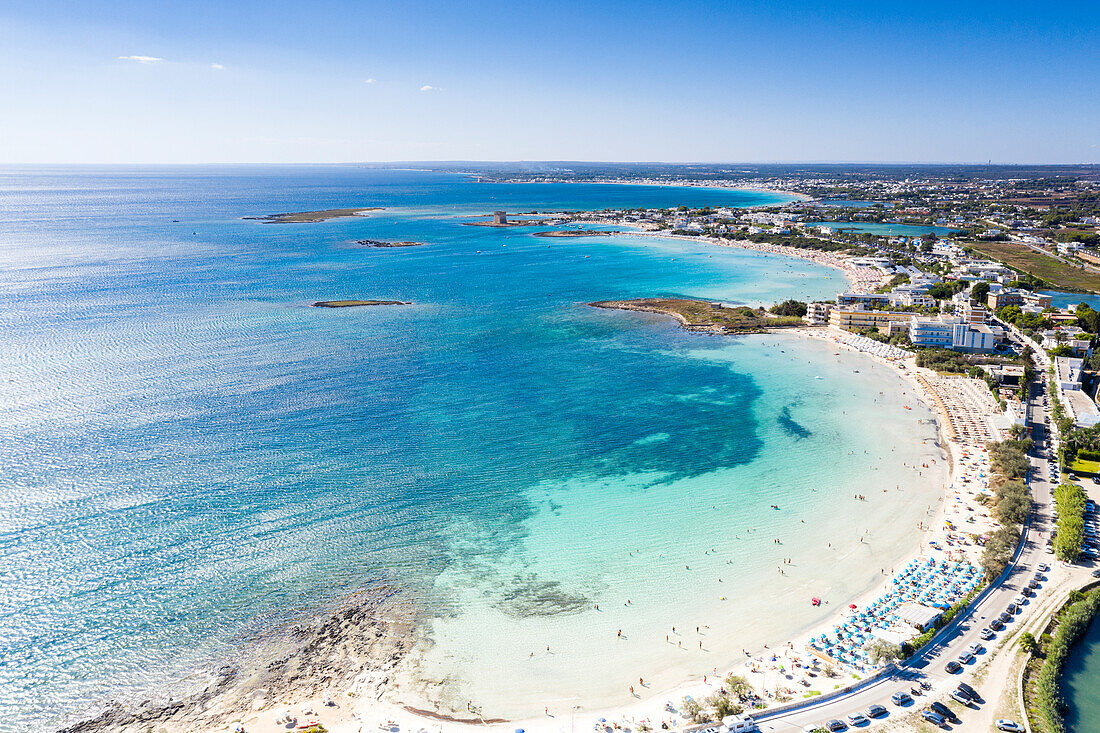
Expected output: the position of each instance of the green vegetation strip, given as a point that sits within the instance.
(1011, 502)
(702, 315)
(1069, 532)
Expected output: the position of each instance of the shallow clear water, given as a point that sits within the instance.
(188, 452)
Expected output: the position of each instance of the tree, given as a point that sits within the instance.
(693, 710)
(998, 551)
(979, 292)
(880, 651)
(739, 687)
(1087, 318)
(1028, 643)
(789, 307)
(723, 705)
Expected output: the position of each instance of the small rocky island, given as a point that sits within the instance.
(356, 303)
(706, 316)
(311, 217)
(385, 243)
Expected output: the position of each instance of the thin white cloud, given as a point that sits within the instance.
(218, 67)
(142, 59)
(429, 88)
(369, 81)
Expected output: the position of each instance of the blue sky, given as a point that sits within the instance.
(332, 81)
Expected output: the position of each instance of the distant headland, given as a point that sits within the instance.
(702, 315)
(311, 217)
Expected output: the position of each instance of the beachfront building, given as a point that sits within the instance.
(843, 299)
(1015, 414)
(817, 314)
(1078, 406)
(882, 263)
(951, 332)
(857, 318)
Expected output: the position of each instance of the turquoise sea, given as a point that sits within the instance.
(189, 453)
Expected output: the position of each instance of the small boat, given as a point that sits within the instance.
(907, 407)
(819, 377)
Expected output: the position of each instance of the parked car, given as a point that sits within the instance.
(876, 711)
(975, 648)
(996, 625)
(933, 717)
(943, 710)
(969, 691)
(1009, 725)
(966, 657)
(901, 698)
(959, 697)
(953, 667)
(1020, 600)
(857, 719)
(986, 634)
(835, 725)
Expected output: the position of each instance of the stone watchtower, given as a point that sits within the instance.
(500, 217)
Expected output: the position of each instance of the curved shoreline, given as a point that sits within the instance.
(349, 720)
(649, 707)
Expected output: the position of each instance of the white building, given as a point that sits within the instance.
(817, 314)
(902, 295)
(1067, 372)
(949, 332)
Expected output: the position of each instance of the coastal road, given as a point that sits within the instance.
(929, 665)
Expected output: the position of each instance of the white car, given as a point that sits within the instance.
(856, 719)
(975, 648)
(966, 658)
(1009, 725)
